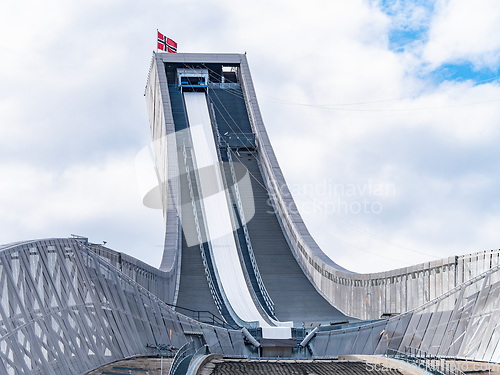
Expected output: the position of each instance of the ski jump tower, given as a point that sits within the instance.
(240, 274)
(239, 248)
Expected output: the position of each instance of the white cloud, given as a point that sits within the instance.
(464, 31)
(100, 200)
(408, 15)
(71, 108)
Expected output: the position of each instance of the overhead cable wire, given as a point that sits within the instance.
(336, 217)
(316, 203)
(397, 109)
(376, 101)
(339, 219)
(335, 107)
(270, 194)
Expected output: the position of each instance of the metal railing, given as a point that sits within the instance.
(238, 140)
(185, 351)
(450, 362)
(196, 206)
(203, 316)
(216, 289)
(238, 218)
(224, 85)
(263, 290)
(164, 351)
(430, 363)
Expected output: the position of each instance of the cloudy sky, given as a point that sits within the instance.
(384, 115)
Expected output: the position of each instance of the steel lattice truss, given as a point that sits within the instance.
(64, 310)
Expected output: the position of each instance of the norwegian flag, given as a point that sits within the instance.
(166, 44)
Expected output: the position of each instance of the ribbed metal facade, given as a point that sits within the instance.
(463, 323)
(65, 310)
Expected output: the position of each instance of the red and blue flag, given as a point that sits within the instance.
(166, 44)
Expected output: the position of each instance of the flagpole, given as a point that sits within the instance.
(156, 40)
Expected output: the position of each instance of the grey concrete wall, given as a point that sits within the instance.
(165, 152)
(156, 281)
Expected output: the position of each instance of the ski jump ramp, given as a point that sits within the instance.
(239, 267)
(255, 204)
